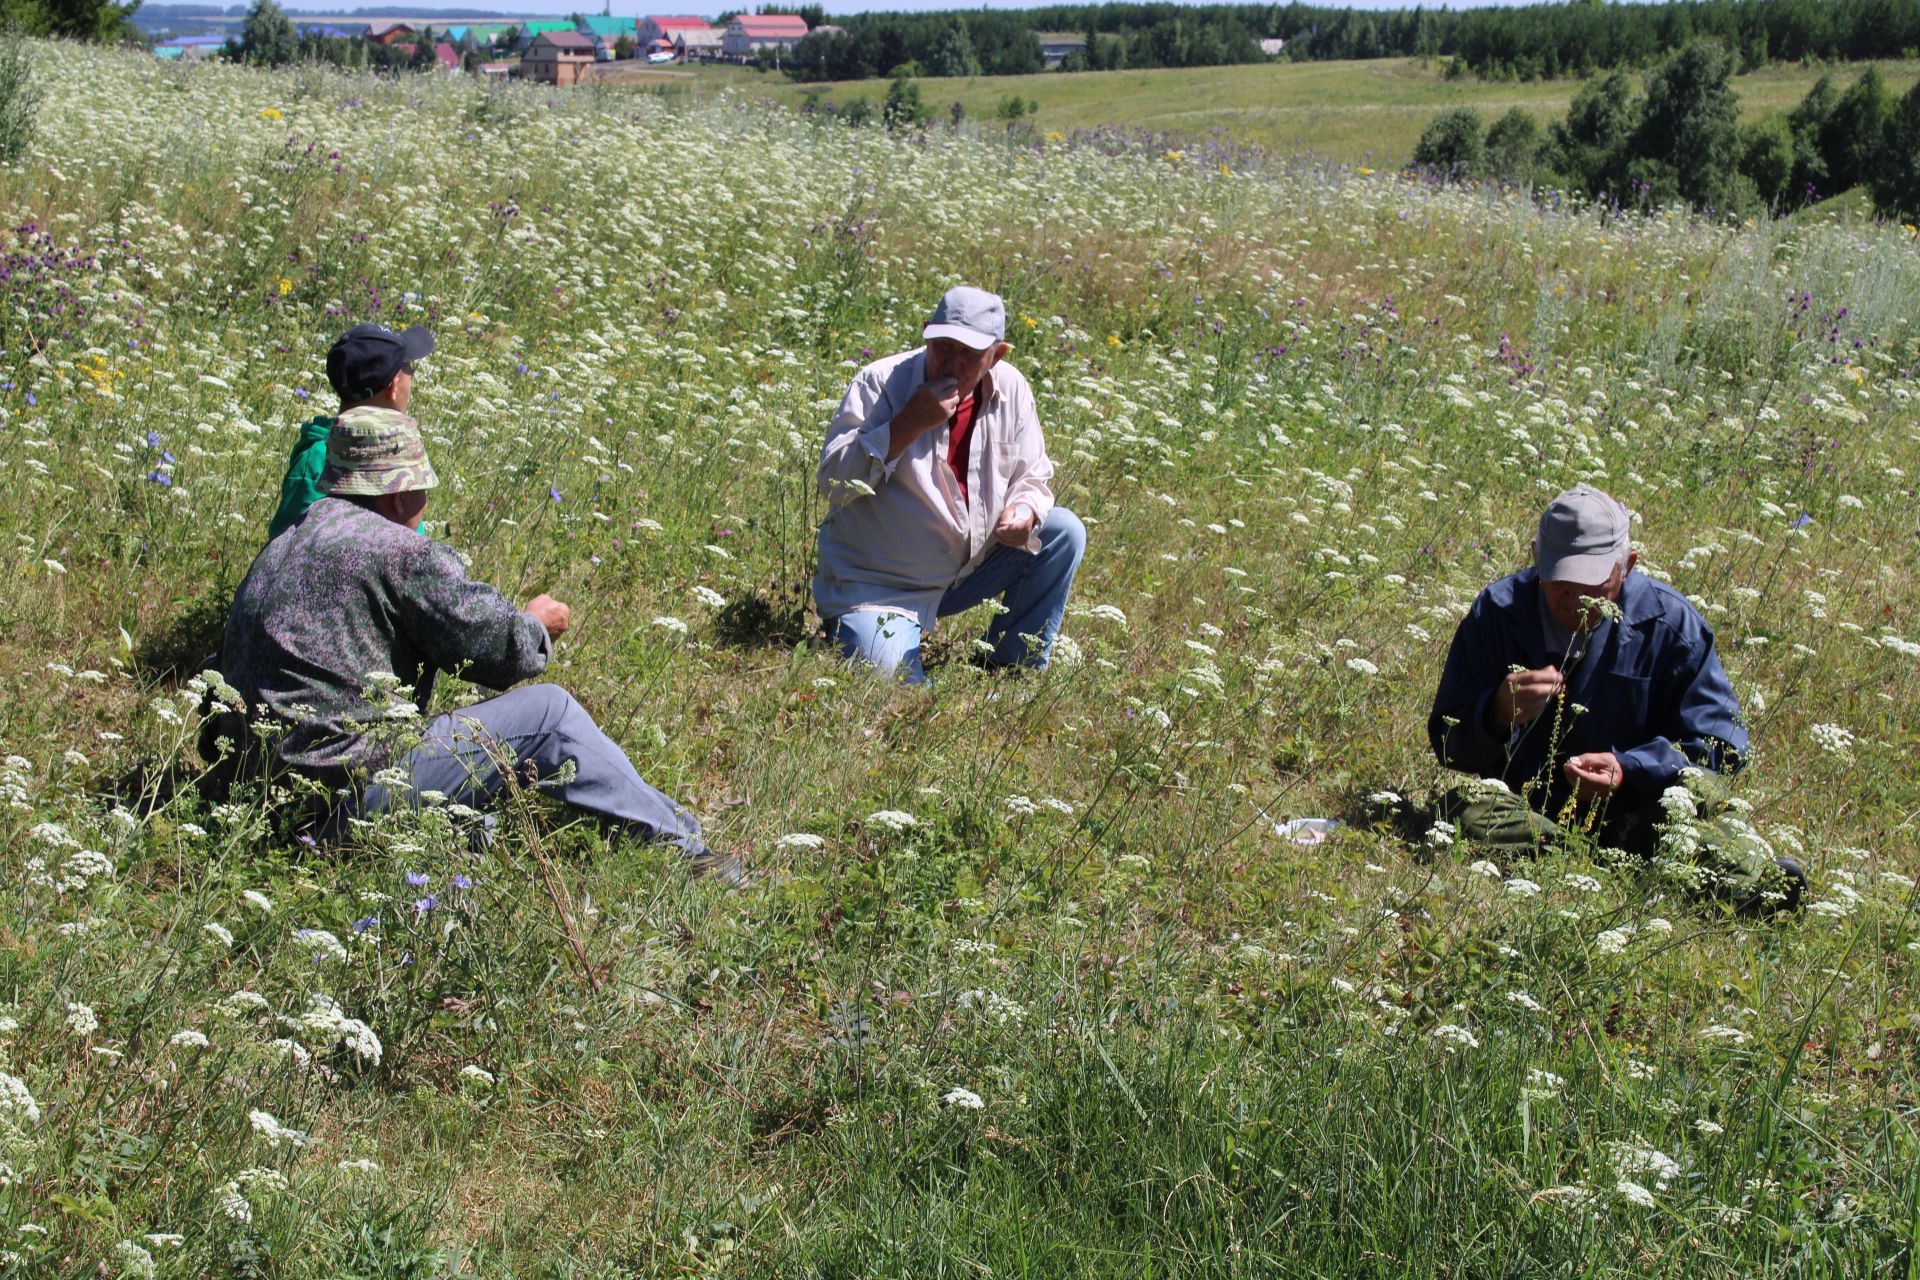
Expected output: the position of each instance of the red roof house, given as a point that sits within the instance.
(659, 28)
(751, 32)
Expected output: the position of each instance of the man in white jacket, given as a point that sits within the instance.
(937, 478)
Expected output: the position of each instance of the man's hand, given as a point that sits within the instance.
(1015, 526)
(1594, 774)
(1523, 695)
(549, 613)
(933, 404)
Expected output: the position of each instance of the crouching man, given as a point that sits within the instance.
(1582, 693)
(937, 475)
(349, 598)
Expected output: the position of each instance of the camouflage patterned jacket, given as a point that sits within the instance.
(338, 600)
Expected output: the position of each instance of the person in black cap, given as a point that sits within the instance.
(370, 366)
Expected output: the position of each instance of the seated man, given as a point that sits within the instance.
(349, 602)
(936, 474)
(1587, 689)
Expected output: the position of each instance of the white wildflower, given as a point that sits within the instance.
(15, 1100)
(273, 1131)
(1832, 739)
(965, 1099)
(1612, 942)
(1633, 1193)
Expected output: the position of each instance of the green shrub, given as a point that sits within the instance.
(1452, 143)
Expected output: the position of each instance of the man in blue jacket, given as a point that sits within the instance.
(1580, 692)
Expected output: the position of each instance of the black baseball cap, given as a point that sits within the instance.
(367, 356)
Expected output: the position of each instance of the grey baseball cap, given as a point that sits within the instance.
(1582, 539)
(970, 316)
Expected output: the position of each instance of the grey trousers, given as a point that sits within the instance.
(537, 730)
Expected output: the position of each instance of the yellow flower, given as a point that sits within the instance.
(1364, 172)
(1030, 321)
(271, 113)
(286, 286)
(1224, 170)
(1113, 340)
(1174, 157)
(1054, 135)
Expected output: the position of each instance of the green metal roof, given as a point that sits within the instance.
(611, 28)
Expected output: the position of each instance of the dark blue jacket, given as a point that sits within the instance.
(1654, 691)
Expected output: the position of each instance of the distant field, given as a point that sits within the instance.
(1354, 111)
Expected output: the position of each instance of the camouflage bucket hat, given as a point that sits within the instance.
(376, 451)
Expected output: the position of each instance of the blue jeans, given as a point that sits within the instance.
(1032, 587)
(537, 729)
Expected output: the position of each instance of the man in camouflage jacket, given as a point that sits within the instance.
(336, 635)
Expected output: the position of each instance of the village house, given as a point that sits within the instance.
(534, 28)
(701, 44)
(1056, 46)
(389, 32)
(559, 58)
(189, 48)
(608, 30)
(749, 33)
(654, 29)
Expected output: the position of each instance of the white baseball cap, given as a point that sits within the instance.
(970, 316)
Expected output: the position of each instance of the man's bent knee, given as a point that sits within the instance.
(1064, 528)
(547, 706)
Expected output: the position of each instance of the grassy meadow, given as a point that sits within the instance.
(1028, 985)
(1365, 113)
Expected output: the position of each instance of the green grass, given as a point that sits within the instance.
(1307, 412)
(1357, 112)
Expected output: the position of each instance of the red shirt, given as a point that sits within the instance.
(960, 441)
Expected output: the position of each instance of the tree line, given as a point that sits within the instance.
(1584, 36)
(1679, 137)
(982, 42)
(1533, 41)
